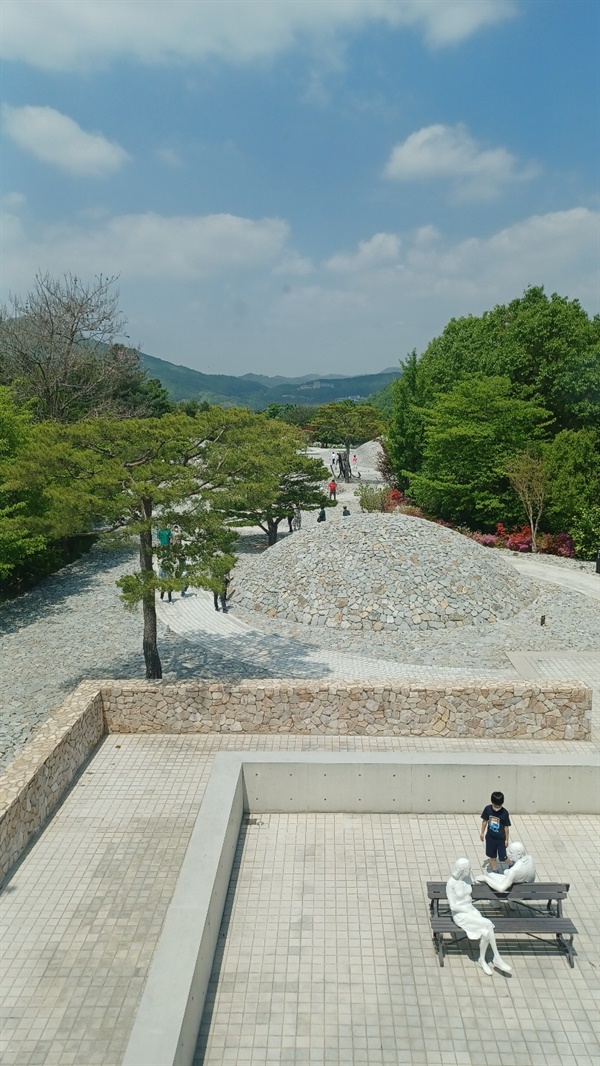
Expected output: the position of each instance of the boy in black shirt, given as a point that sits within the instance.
(495, 821)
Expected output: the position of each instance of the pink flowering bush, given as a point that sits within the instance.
(519, 540)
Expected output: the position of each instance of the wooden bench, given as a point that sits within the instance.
(533, 921)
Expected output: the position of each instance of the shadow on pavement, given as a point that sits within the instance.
(52, 594)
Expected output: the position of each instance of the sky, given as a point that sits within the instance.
(301, 186)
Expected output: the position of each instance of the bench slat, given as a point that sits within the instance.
(537, 890)
(512, 925)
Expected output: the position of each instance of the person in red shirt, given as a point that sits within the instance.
(332, 486)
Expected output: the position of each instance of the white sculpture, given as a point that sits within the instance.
(522, 872)
(467, 917)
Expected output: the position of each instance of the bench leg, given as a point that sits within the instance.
(567, 945)
(438, 940)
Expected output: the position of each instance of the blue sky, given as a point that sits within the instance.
(297, 186)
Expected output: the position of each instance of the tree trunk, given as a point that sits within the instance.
(533, 527)
(150, 647)
(272, 527)
(149, 644)
(347, 471)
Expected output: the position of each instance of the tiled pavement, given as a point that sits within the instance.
(327, 956)
(81, 916)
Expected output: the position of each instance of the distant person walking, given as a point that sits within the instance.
(332, 486)
(297, 518)
(164, 575)
(290, 519)
(221, 595)
(354, 464)
(333, 462)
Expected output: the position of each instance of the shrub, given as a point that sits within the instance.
(519, 540)
(586, 531)
(371, 498)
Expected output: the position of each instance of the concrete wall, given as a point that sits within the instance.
(418, 782)
(538, 710)
(166, 1027)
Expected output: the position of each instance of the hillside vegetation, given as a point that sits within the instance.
(257, 391)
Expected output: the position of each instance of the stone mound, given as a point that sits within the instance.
(382, 572)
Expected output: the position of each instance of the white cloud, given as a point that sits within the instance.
(295, 265)
(449, 23)
(558, 250)
(169, 156)
(380, 249)
(58, 140)
(13, 201)
(389, 308)
(450, 152)
(144, 246)
(186, 278)
(73, 34)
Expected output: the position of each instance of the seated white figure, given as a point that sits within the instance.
(522, 872)
(467, 917)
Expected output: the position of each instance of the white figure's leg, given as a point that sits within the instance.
(483, 946)
(497, 960)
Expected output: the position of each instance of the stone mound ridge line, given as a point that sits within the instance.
(375, 572)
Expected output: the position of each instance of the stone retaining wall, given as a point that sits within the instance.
(33, 784)
(533, 710)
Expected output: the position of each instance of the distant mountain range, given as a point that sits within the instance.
(258, 391)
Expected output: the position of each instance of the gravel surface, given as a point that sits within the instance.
(572, 622)
(73, 626)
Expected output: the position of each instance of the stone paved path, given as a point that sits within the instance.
(587, 583)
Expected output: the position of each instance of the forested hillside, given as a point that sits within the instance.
(257, 391)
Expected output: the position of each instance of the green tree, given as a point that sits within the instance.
(122, 476)
(471, 433)
(274, 477)
(18, 540)
(404, 441)
(295, 414)
(348, 423)
(573, 464)
(585, 530)
(548, 345)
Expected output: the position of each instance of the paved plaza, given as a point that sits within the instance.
(327, 956)
(317, 903)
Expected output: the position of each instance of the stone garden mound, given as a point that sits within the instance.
(379, 572)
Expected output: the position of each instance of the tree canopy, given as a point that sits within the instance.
(547, 346)
(276, 476)
(123, 477)
(470, 434)
(19, 540)
(348, 423)
(546, 352)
